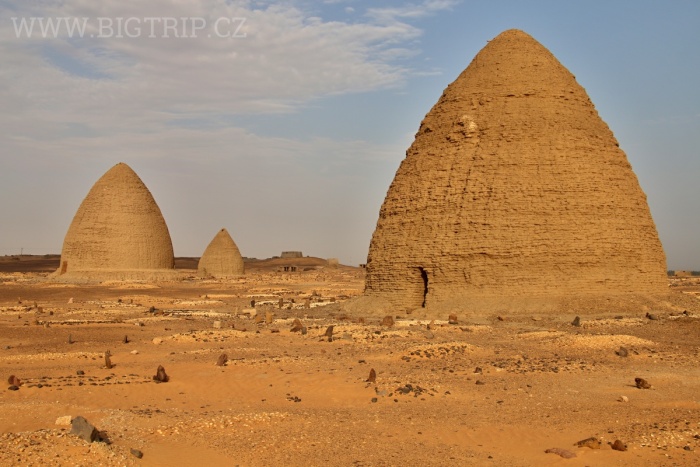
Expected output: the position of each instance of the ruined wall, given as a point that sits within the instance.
(118, 227)
(513, 189)
(221, 258)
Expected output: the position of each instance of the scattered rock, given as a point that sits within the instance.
(152, 309)
(108, 360)
(576, 322)
(221, 361)
(618, 445)
(296, 325)
(80, 372)
(136, 453)
(478, 370)
(217, 325)
(126, 339)
(641, 383)
(372, 378)
(161, 376)
(157, 340)
(593, 443)
(329, 333)
(431, 325)
(452, 319)
(134, 352)
(622, 352)
(652, 316)
(13, 388)
(479, 382)
(84, 429)
(64, 420)
(566, 454)
(623, 399)
(14, 381)
(388, 321)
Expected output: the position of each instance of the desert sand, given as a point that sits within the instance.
(484, 390)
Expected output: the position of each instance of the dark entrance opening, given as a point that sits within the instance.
(424, 276)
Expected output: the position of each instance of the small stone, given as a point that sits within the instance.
(641, 383)
(687, 448)
(108, 360)
(126, 339)
(623, 399)
(157, 340)
(13, 388)
(652, 316)
(329, 333)
(478, 370)
(592, 443)
(223, 358)
(80, 372)
(479, 382)
(152, 309)
(618, 445)
(622, 352)
(296, 325)
(372, 378)
(84, 429)
(64, 421)
(14, 381)
(374, 399)
(576, 322)
(217, 325)
(161, 376)
(453, 319)
(388, 321)
(269, 317)
(566, 454)
(136, 453)
(134, 352)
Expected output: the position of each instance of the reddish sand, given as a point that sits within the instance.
(289, 398)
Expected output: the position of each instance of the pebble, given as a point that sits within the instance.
(372, 378)
(641, 383)
(221, 361)
(592, 443)
(452, 319)
(136, 453)
(161, 376)
(134, 352)
(388, 321)
(622, 352)
(576, 322)
(566, 454)
(64, 420)
(623, 399)
(157, 340)
(618, 445)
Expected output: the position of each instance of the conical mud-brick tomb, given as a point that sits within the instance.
(118, 233)
(514, 195)
(221, 258)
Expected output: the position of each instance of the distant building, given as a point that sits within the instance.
(291, 254)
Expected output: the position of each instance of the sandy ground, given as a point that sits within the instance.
(484, 391)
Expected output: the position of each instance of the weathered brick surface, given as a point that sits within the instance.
(514, 190)
(118, 231)
(221, 258)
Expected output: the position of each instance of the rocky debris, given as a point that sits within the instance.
(478, 370)
(622, 352)
(388, 321)
(297, 326)
(293, 398)
(80, 373)
(136, 453)
(329, 333)
(217, 325)
(161, 376)
(64, 420)
(431, 325)
(479, 382)
(565, 453)
(221, 361)
(592, 442)
(70, 339)
(13, 388)
(372, 378)
(618, 445)
(623, 399)
(576, 322)
(652, 316)
(84, 429)
(452, 319)
(157, 340)
(641, 383)
(108, 360)
(14, 381)
(126, 339)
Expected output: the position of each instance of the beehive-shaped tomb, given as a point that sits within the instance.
(514, 196)
(118, 233)
(221, 258)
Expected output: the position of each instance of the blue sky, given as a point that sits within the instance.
(289, 133)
